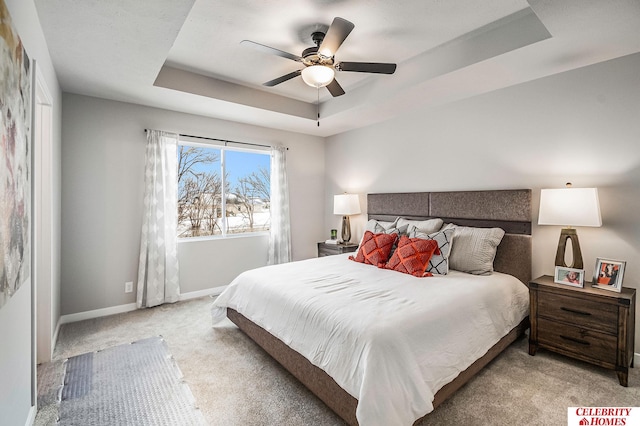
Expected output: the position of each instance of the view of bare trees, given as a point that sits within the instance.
(252, 192)
(200, 192)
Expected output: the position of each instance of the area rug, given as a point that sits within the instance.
(131, 384)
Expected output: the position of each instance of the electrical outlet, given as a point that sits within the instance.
(128, 287)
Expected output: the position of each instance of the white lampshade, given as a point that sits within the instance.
(346, 204)
(569, 207)
(318, 75)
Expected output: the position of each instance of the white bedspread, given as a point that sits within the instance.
(389, 339)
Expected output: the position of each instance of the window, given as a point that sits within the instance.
(222, 190)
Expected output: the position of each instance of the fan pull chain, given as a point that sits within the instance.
(318, 108)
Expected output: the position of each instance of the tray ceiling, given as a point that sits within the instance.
(185, 55)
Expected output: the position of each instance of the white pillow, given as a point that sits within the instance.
(428, 226)
(439, 263)
(474, 249)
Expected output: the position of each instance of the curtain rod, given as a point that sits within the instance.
(221, 140)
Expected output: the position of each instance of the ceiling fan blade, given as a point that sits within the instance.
(271, 50)
(373, 67)
(335, 89)
(336, 34)
(282, 79)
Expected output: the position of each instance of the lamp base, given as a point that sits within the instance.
(346, 229)
(569, 234)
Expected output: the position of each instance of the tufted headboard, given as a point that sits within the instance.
(507, 209)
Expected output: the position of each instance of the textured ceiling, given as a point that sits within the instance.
(185, 55)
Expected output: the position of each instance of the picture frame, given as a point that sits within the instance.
(608, 274)
(569, 276)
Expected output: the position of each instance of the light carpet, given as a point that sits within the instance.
(234, 382)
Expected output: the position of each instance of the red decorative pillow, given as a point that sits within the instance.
(375, 248)
(412, 256)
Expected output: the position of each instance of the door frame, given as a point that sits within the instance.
(43, 219)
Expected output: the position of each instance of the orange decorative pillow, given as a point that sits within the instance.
(375, 248)
(412, 256)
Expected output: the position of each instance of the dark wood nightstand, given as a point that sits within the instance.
(589, 324)
(325, 249)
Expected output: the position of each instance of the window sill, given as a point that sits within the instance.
(222, 238)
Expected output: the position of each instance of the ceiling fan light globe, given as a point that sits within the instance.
(318, 75)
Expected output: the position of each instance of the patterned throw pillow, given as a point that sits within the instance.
(397, 230)
(412, 256)
(375, 248)
(371, 224)
(400, 230)
(378, 227)
(439, 263)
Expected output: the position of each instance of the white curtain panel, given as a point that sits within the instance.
(280, 231)
(158, 281)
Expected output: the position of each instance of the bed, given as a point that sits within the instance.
(367, 358)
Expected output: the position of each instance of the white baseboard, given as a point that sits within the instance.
(54, 338)
(636, 360)
(32, 415)
(96, 313)
(200, 293)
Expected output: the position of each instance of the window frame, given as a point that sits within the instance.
(188, 141)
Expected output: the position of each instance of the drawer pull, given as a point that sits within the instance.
(574, 311)
(572, 339)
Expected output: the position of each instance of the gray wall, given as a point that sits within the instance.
(582, 126)
(103, 162)
(16, 315)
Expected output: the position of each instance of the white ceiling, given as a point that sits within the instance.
(185, 55)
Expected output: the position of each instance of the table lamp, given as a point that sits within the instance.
(346, 205)
(569, 207)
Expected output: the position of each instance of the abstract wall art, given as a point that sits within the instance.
(15, 160)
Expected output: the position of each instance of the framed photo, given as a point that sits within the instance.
(608, 274)
(569, 276)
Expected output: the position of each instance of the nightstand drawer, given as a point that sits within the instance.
(325, 249)
(581, 312)
(578, 340)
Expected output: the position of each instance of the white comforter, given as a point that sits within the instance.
(389, 339)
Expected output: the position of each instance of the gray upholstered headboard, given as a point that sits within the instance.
(506, 209)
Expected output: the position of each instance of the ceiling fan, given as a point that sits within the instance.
(319, 61)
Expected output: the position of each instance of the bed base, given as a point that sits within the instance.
(507, 209)
(325, 388)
